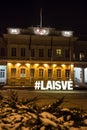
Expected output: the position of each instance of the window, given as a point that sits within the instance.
(49, 73)
(58, 73)
(32, 73)
(13, 52)
(32, 53)
(41, 73)
(58, 52)
(2, 52)
(41, 52)
(22, 73)
(67, 53)
(23, 52)
(81, 56)
(2, 73)
(13, 72)
(49, 52)
(67, 73)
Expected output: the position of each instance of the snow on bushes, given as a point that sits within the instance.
(24, 114)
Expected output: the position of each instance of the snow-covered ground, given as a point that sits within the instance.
(25, 114)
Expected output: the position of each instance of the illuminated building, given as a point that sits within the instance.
(41, 53)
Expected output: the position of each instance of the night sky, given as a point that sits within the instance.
(62, 15)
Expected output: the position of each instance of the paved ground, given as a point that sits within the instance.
(72, 98)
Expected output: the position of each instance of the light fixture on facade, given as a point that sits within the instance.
(63, 65)
(18, 64)
(36, 64)
(41, 30)
(72, 65)
(13, 31)
(9, 64)
(27, 64)
(54, 65)
(45, 65)
(67, 33)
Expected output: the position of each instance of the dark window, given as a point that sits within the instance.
(67, 73)
(49, 52)
(2, 73)
(58, 73)
(2, 52)
(81, 56)
(13, 52)
(41, 52)
(23, 52)
(32, 53)
(67, 53)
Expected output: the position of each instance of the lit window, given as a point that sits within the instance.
(58, 52)
(58, 73)
(13, 72)
(49, 73)
(32, 72)
(41, 73)
(22, 73)
(67, 73)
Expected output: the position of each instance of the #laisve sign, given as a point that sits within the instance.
(54, 85)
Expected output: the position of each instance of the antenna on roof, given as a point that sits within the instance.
(41, 17)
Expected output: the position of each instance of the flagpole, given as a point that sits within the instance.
(41, 17)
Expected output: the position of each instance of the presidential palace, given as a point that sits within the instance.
(42, 53)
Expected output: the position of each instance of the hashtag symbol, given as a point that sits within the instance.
(37, 85)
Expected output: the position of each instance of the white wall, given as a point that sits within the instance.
(3, 79)
(78, 74)
(85, 75)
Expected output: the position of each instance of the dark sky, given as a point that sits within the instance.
(63, 15)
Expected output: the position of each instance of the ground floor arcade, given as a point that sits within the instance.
(25, 73)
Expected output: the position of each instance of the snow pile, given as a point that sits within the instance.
(26, 115)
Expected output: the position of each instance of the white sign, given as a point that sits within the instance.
(54, 85)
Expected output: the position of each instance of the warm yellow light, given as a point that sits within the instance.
(41, 31)
(27, 64)
(54, 65)
(18, 64)
(63, 65)
(36, 64)
(72, 65)
(13, 30)
(9, 64)
(45, 65)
